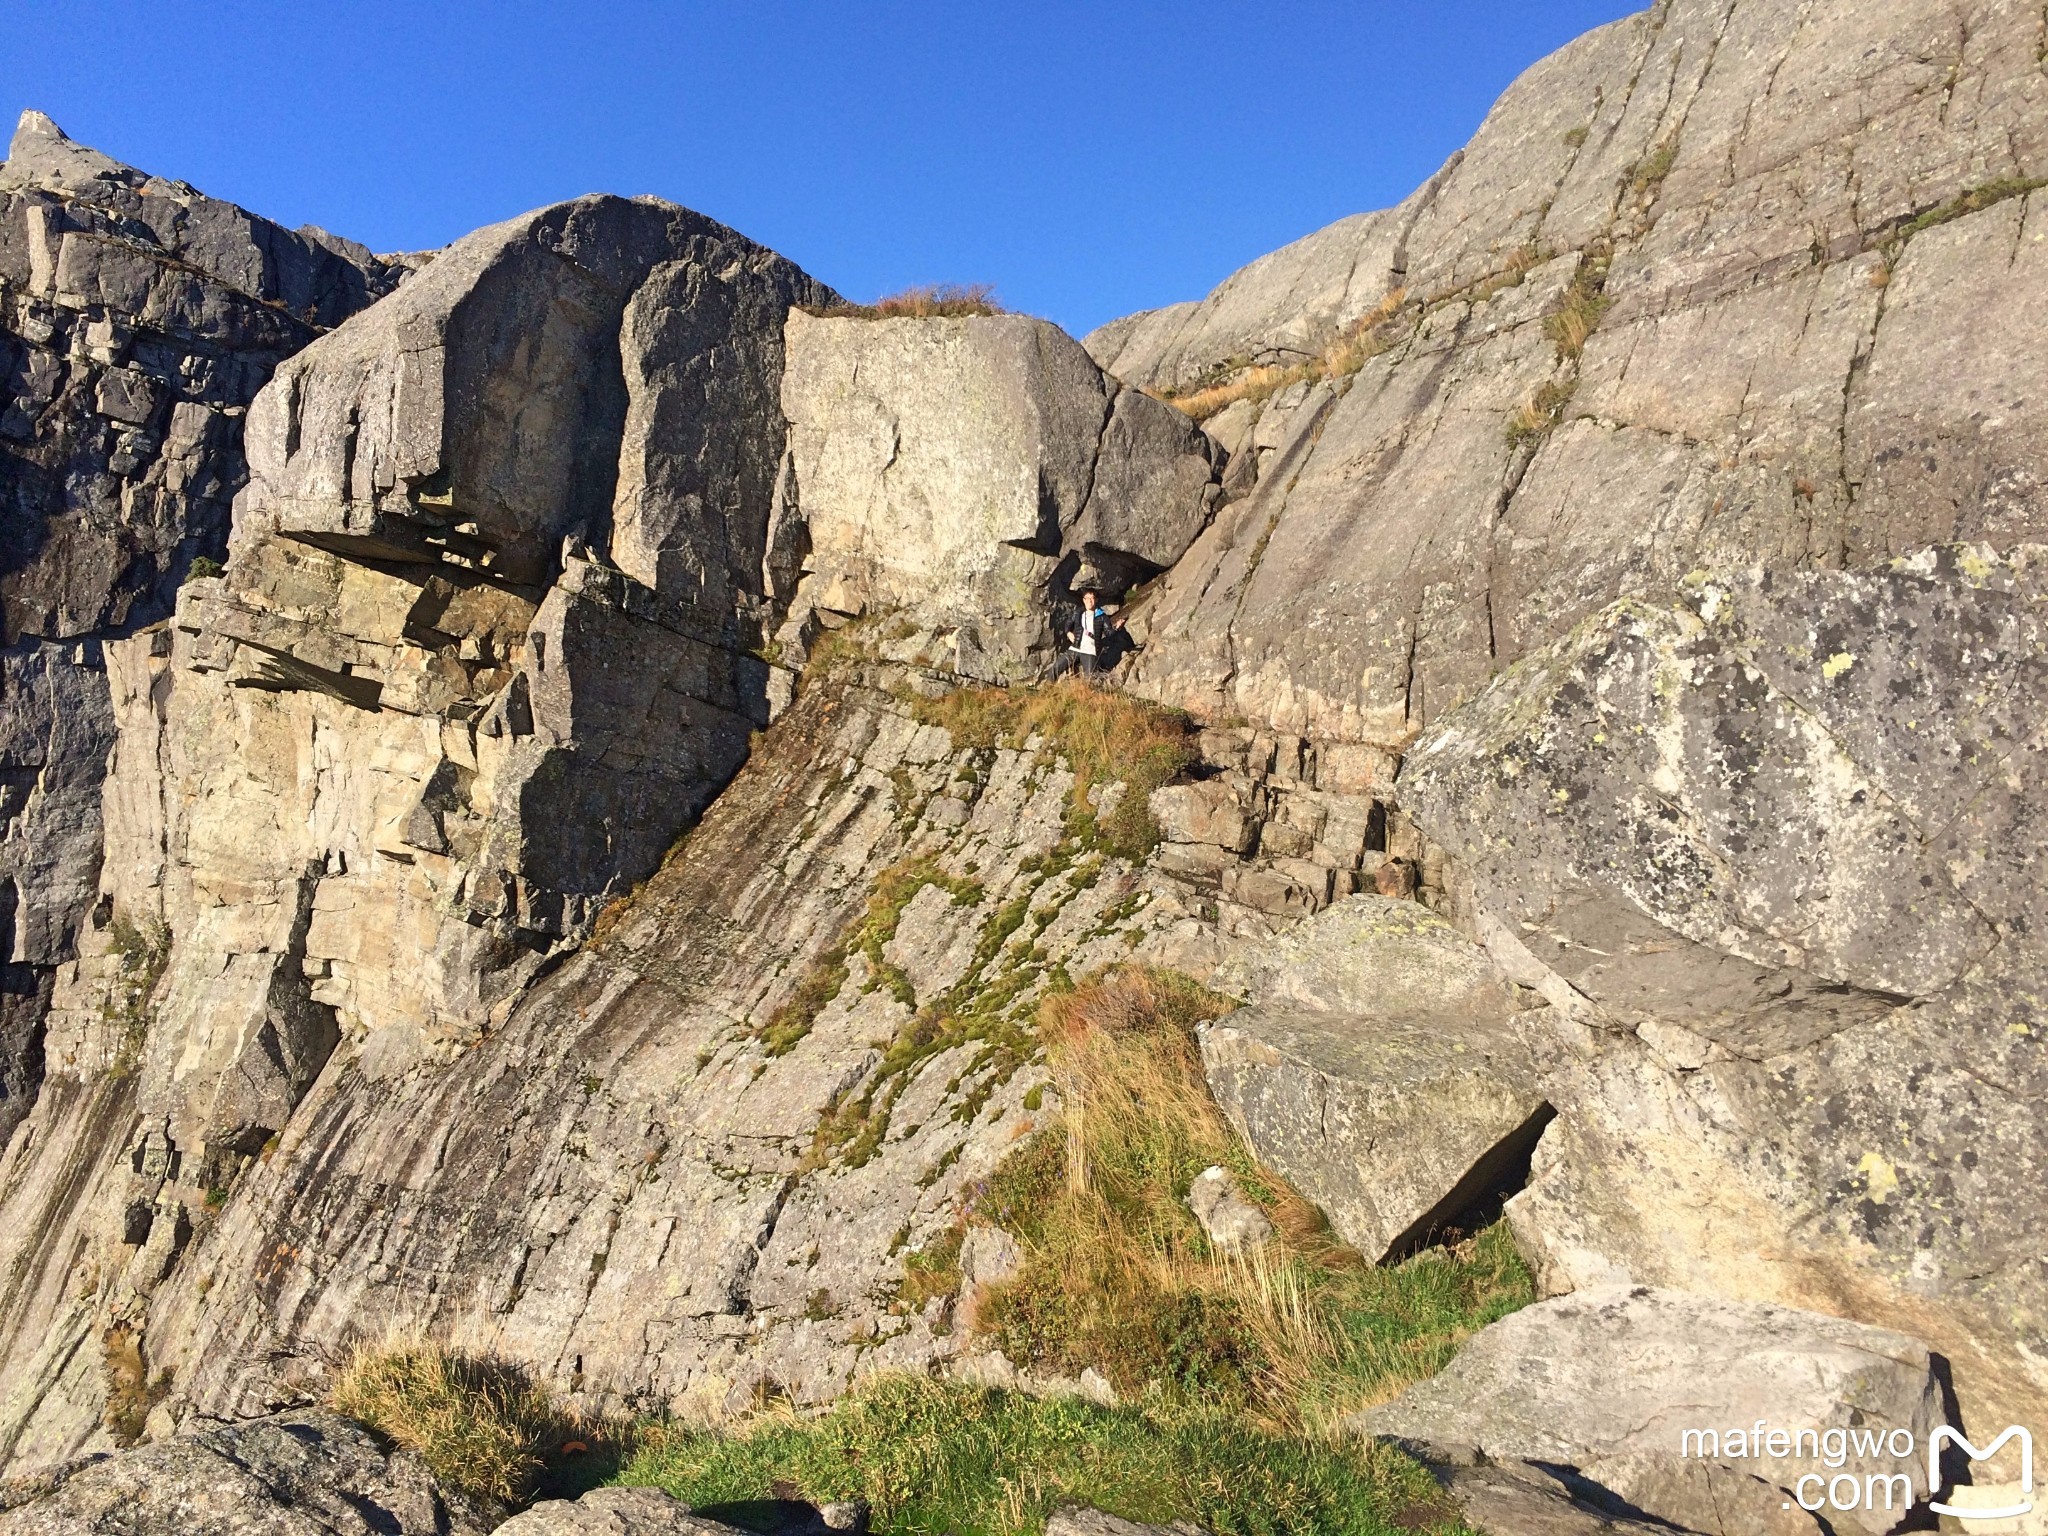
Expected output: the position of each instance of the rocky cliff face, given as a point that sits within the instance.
(1709, 287)
(1630, 548)
(488, 641)
(138, 319)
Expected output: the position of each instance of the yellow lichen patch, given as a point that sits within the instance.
(1837, 664)
(1880, 1178)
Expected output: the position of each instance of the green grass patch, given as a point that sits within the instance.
(931, 1458)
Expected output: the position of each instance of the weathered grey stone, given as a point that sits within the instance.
(664, 1179)
(989, 1256)
(1609, 1380)
(965, 472)
(1380, 1069)
(1080, 1520)
(614, 1512)
(297, 1474)
(137, 320)
(1530, 1500)
(1228, 1219)
(1775, 847)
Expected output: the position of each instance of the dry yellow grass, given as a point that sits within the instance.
(1119, 1276)
(482, 1426)
(924, 302)
(1358, 343)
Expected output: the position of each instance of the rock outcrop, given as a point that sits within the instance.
(1606, 1384)
(397, 758)
(295, 1474)
(965, 470)
(1381, 1069)
(1578, 634)
(1701, 295)
(1701, 291)
(138, 319)
(1772, 850)
(614, 1512)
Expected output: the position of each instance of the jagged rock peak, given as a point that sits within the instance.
(42, 154)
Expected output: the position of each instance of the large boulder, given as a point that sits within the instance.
(1381, 1069)
(964, 471)
(297, 1474)
(615, 1512)
(1685, 1408)
(1771, 854)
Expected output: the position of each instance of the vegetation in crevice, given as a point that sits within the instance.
(1376, 332)
(1580, 309)
(869, 936)
(131, 1390)
(1974, 200)
(141, 951)
(1119, 1276)
(1646, 180)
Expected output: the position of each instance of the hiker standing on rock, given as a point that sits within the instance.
(1084, 637)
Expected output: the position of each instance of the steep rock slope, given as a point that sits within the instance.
(489, 638)
(138, 319)
(418, 734)
(1723, 282)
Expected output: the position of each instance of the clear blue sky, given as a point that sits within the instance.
(1088, 157)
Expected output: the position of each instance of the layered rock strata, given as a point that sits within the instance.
(691, 1162)
(1701, 291)
(138, 319)
(423, 728)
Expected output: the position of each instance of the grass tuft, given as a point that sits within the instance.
(930, 301)
(1647, 179)
(929, 1457)
(482, 1426)
(131, 1391)
(1350, 350)
(1543, 410)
